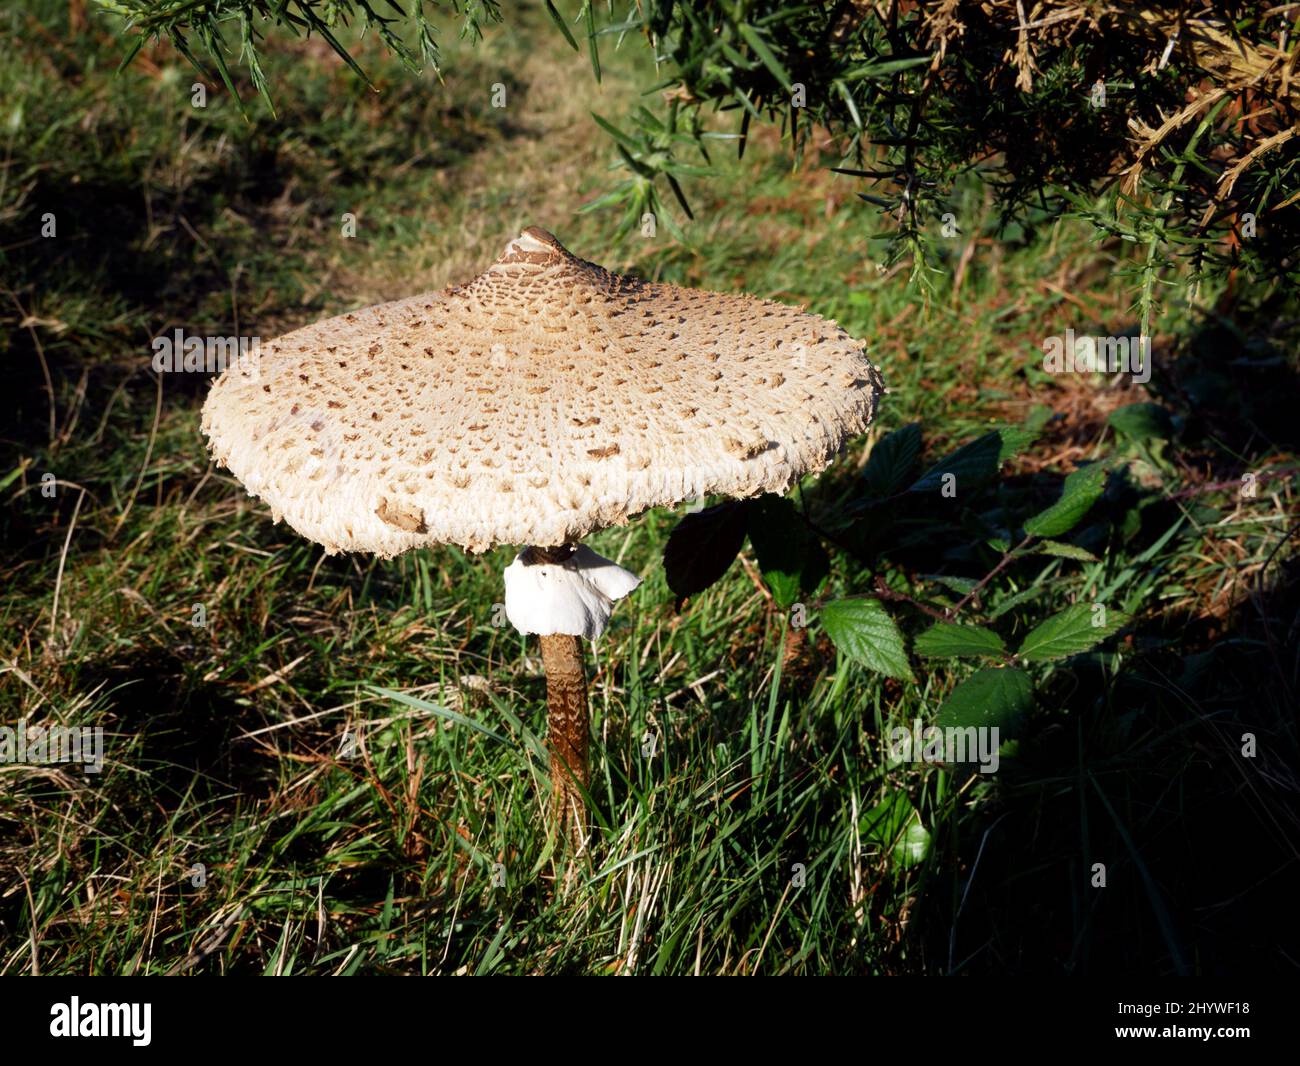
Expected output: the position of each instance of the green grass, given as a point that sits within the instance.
(426, 851)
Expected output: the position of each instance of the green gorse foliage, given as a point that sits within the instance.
(1167, 125)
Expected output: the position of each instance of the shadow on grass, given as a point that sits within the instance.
(162, 212)
(1144, 773)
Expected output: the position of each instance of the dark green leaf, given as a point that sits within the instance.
(976, 462)
(892, 459)
(863, 631)
(1081, 490)
(1015, 439)
(330, 39)
(702, 546)
(895, 824)
(1065, 551)
(991, 698)
(790, 557)
(960, 585)
(971, 465)
(681, 196)
(1074, 630)
(946, 640)
(1142, 422)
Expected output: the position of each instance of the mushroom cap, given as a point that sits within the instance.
(545, 399)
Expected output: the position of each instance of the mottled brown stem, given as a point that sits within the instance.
(566, 724)
(566, 721)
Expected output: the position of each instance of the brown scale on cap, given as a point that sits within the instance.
(545, 399)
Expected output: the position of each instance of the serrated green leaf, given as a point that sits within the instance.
(892, 458)
(1074, 630)
(1081, 490)
(946, 640)
(863, 631)
(960, 585)
(1015, 439)
(1065, 551)
(991, 698)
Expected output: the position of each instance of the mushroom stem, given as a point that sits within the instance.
(566, 725)
(566, 718)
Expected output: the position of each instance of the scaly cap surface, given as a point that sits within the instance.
(545, 399)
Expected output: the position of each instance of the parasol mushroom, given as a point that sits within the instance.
(544, 400)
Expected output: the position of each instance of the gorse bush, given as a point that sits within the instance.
(1170, 126)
